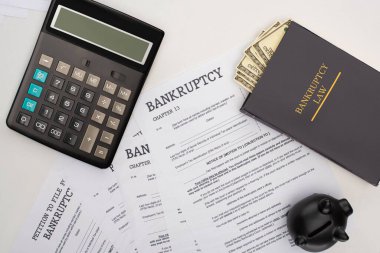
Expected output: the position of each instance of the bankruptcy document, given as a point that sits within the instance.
(233, 177)
(137, 173)
(79, 209)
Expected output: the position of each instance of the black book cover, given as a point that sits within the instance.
(324, 98)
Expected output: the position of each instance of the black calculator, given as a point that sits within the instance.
(83, 79)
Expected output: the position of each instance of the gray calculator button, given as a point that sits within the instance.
(70, 139)
(124, 94)
(61, 118)
(73, 89)
(78, 74)
(82, 110)
(67, 103)
(55, 133)
(57, 83)
(89, 139)
(118, 108)
(63, 68)
(46, 112)
(113, 123)
(93, 80)
(40, 126)
(106, 138)
(76, 124)
(23, 119)
(110, 87)
(101, 152)
(46, 61)
(104, 102)
(52, 97)
(98, 117)
(88, 95)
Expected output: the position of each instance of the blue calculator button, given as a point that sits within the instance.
(29, 105)
(35, 90)
(40, 75)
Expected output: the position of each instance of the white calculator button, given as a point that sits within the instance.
(110, 87)
(93, 80)
(63, 68)
(104, 102)
(46, 61)
(78, 74)
(98, 117)
(113, 123)
(101, 152)
(124, 94)
(118, 108)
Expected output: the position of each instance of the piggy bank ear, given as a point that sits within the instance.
(346, 207)
(340, 235)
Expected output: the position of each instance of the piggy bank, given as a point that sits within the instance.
(319, 221)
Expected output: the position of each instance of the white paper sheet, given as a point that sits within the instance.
(233, 177)
(11, 11)
(94, 219)
(138, 177)
(38, 5)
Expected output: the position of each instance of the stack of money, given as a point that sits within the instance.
(258, 55)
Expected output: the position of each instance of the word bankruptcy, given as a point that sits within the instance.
(184, 89)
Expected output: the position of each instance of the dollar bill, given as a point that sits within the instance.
(267, 45)
(258, 55)
(251, 81)
(244, 84)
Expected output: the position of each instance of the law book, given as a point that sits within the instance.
(324, 98)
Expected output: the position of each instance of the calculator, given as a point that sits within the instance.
(83, 79)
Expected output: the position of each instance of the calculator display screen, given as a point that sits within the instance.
(101, 34)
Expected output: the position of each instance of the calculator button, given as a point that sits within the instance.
(118, 108)
(113, 123)
(78, 74)
(88, 95)
(23, 119)
(93, 80)
(89, 139)
(29, 105)
(46, 112)
(104, 102)
(70, 139)
(40, 126)
(40, 75)
(46, 61)
(124, 94)
(61, 118)
(63, 68)
(101, 152)
(82, 110)
(35, 90)
(52, 97)
(110, 87)
(106, 138)
(55, 132)
(76, 125)
(57, 83)
(67, 103)
(73, 89)
(98, 117)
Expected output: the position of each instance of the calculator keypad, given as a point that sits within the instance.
(69, 104)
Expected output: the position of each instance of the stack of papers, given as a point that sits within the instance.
(21, 8)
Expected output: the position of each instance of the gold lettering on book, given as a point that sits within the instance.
(312, 88)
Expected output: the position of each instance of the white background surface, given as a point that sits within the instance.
(196, 31)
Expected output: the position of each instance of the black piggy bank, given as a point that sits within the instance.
(318, 222)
